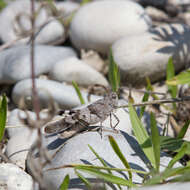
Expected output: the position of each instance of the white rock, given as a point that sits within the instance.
(73, 69)
(15, 124)
(15, 63)
(19, 145)
(64, 95)
(14, 178)
(81, 154)
(91, 28)
(147, 55)
(52, 33)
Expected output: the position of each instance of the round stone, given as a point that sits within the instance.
(63, 95)
(15, 22)
(73, 69)
(15, 63)
(147, 55)
(12, 177)
(91, 28)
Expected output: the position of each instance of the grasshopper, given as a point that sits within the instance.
(80, 120)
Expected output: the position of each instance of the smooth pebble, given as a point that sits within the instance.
(92, 29)
(15, 63)
(81, 154)
(147, 55)
(73, 69)
(64, 95)
(15, 22)
(14, 178)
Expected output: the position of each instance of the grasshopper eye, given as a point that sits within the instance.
(114, 95)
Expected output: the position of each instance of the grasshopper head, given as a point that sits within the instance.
(113, 99)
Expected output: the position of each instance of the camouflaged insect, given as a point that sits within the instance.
(80, 119)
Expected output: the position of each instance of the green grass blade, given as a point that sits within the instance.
(141, 135)
(99, 158)
(85, 1)
(183, 130)
(120, 155)
(3, 115)
(150, 87)
(107, 177)
(79, 166)
(181, 78)
(182, 178)
(84, 180)
(173, 144)
(65, 183)
(145, 99)
(78, 92)
(3, 4)
(155, 140)
(170, 73)
(178, 156)
(113, 74)
(167, 173)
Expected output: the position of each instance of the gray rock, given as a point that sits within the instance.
(15, 63)
(169, 186)
(73, 69)
(91, 28)
(52, 33)
(147, 55)
(76, 151)
(64, 95)
(19, 145)
(14, 178)
(15, 124)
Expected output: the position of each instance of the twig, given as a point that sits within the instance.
(34, 92)
(10, 43)
(169, 100)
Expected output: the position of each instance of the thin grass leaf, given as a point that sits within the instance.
(79, 166)
(145, 99)
(155, 140)
(170, 143)
(181, 78)
(107, 177)
(182, 178)
(65, 183)
(173, 144)
(99, 158)
(84, 180)
(141, 135)
(150, 87)
(178, 156)
(167, 173)
(120, 155)
(169, 75)
(85, 1)
(78, 92)
(3, 4)
(3, 115)
(183, 130)
(113, 74)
